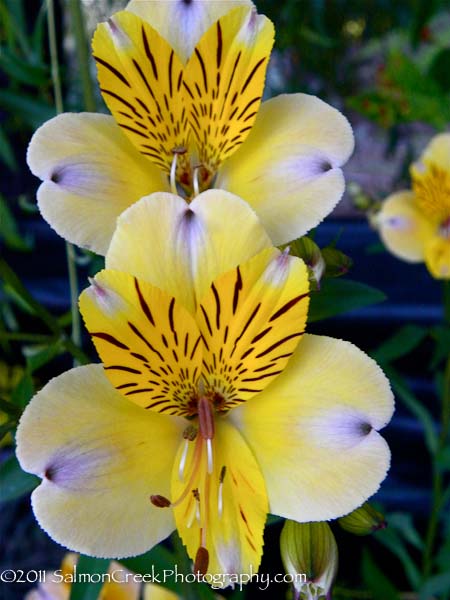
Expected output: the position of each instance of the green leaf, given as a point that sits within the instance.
(23, 391)
(401, 343)
(22, 70)
(438, 584)
(439, 69)
(33, 112)
(9, 230)
(337, 296)
(84, 588)
(7, 154)
(392, 540)
(13, 481)
(9, 408)
(443, 459)
(403, 523)
(403, 391)
(376, 580)
(158, 557)
(38, 356)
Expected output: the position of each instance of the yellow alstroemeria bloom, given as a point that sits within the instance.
(188, 115)
(119, 583)
(415, 224)
(212, 407)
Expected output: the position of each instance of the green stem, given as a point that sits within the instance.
(81, 46)
(26, 337)
(438, 484)
(73, 282)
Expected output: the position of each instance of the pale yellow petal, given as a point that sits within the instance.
(437, 257)
(91, 174)
(403, 228)
(99, 456)
(122, 586)
(288, 169)
(149, 344)
(314, 431)
(438, 151)
(227, 513)
(182, 248)
(183, 23)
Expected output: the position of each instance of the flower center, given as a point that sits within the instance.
(187, 180)
(431, 185)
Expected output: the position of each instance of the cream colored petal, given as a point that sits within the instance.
(91, 173)
(182, 248)
(437, 257)
(152, 591)
(288, 169)
(100, 457)
(314, 431)
(438, 151)
(183, 23)
(403, 228)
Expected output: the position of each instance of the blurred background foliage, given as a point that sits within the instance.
(386, 65)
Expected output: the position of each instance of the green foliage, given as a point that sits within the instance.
(338, 296)
(14, 481)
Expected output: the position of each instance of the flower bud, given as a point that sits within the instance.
(309, 549)
(363, 520)
(336, 262)
(310, 253)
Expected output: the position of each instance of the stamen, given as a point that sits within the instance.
(210, 456)
(195, 180)
(183, 461)
(173, 174)
(190, 433)
(220, 492)
(194, 471)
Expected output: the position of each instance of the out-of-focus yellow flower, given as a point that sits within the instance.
(184, 82)
(415, 224)
(58, 583)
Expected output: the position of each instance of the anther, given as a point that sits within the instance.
(190, 433)
(201, 561)
(160, 501)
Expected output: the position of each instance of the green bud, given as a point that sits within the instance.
(309, 549)
(310, 253)
(363, 520)
(336, 262)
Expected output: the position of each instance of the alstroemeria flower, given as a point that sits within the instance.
(212, 407)
(415, 224)
(189, 122)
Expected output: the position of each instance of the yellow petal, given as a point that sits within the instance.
(91, 174)
(183, 23)
(152, 591)
(314, 431)
(437, 257)
(289, 167)
(227, 518)
(150, 346)
(122, 586)
(140, 79)
(251, 321)
(403, 228)
(438, 151)
(224, 81)
(198, 242)
(99, 456)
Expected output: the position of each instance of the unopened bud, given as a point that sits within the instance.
(363, 520)
(310, 253)
(309, 549)
(336, 262)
